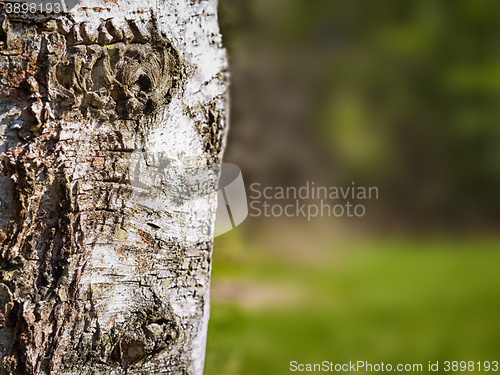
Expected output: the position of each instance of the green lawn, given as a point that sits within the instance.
(391, 301)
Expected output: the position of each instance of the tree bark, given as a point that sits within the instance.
(92, 279)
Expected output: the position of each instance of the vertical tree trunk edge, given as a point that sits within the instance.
(91, 282)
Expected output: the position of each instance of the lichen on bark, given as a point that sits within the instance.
(87, 284)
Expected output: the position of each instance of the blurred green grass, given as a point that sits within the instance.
(405, 300)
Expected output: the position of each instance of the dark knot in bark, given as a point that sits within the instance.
(117, 70)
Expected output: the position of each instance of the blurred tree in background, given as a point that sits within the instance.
(403, 95)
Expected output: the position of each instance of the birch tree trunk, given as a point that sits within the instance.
(92, 281)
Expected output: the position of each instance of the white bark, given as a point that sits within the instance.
(91, 281)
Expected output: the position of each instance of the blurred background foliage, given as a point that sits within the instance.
(403, 95)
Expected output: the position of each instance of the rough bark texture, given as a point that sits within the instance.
(92, 282)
